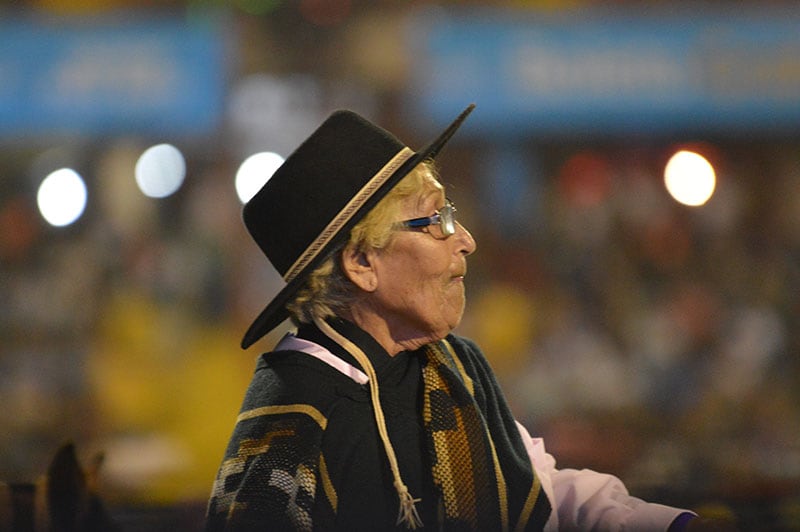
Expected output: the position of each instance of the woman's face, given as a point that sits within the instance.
(420, 278)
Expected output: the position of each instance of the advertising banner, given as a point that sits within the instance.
(98, 77)
(608, 72)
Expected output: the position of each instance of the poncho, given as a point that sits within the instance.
(306, 455)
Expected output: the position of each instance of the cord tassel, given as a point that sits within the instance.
(408, 514)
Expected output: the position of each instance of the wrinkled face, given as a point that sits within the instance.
(420, 278)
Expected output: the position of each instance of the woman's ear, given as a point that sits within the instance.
(359, 268)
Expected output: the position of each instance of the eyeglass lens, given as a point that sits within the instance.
(447, 219)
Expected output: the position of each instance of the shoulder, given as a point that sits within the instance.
(293, 377)
(293, 397)
(297, 370)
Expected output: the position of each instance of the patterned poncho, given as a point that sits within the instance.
(306, 455)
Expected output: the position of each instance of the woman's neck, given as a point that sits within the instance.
(393, 338)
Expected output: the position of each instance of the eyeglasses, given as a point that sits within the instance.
(442, 223)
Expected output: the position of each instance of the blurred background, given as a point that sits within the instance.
(631, 175)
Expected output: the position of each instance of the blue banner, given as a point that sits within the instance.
(609, 72)
(99, 77)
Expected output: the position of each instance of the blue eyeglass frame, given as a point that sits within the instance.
(445, 218)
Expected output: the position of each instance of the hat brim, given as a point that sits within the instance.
(275, 312)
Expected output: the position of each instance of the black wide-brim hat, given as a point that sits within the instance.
(321, 191)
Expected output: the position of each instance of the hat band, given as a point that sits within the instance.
(347, 212)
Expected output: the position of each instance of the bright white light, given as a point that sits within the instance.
(160, 171)
(254, 172)
(690, 178)
(62, 197)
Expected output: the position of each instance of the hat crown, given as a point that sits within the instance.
(314, 184)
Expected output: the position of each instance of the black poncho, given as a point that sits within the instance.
(306, 455)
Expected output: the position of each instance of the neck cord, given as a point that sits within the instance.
(408, 512)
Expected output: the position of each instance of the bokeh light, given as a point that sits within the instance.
(62, 197)
(690, 179)
(160, 171)
(254, 172)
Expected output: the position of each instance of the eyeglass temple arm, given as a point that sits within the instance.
(423, 222)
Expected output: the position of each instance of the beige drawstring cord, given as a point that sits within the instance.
(408, 514)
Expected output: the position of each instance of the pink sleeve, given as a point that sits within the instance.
(587, 500)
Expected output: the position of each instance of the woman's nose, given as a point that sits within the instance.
(466, 242)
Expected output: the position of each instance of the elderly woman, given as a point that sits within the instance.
(372, 415)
